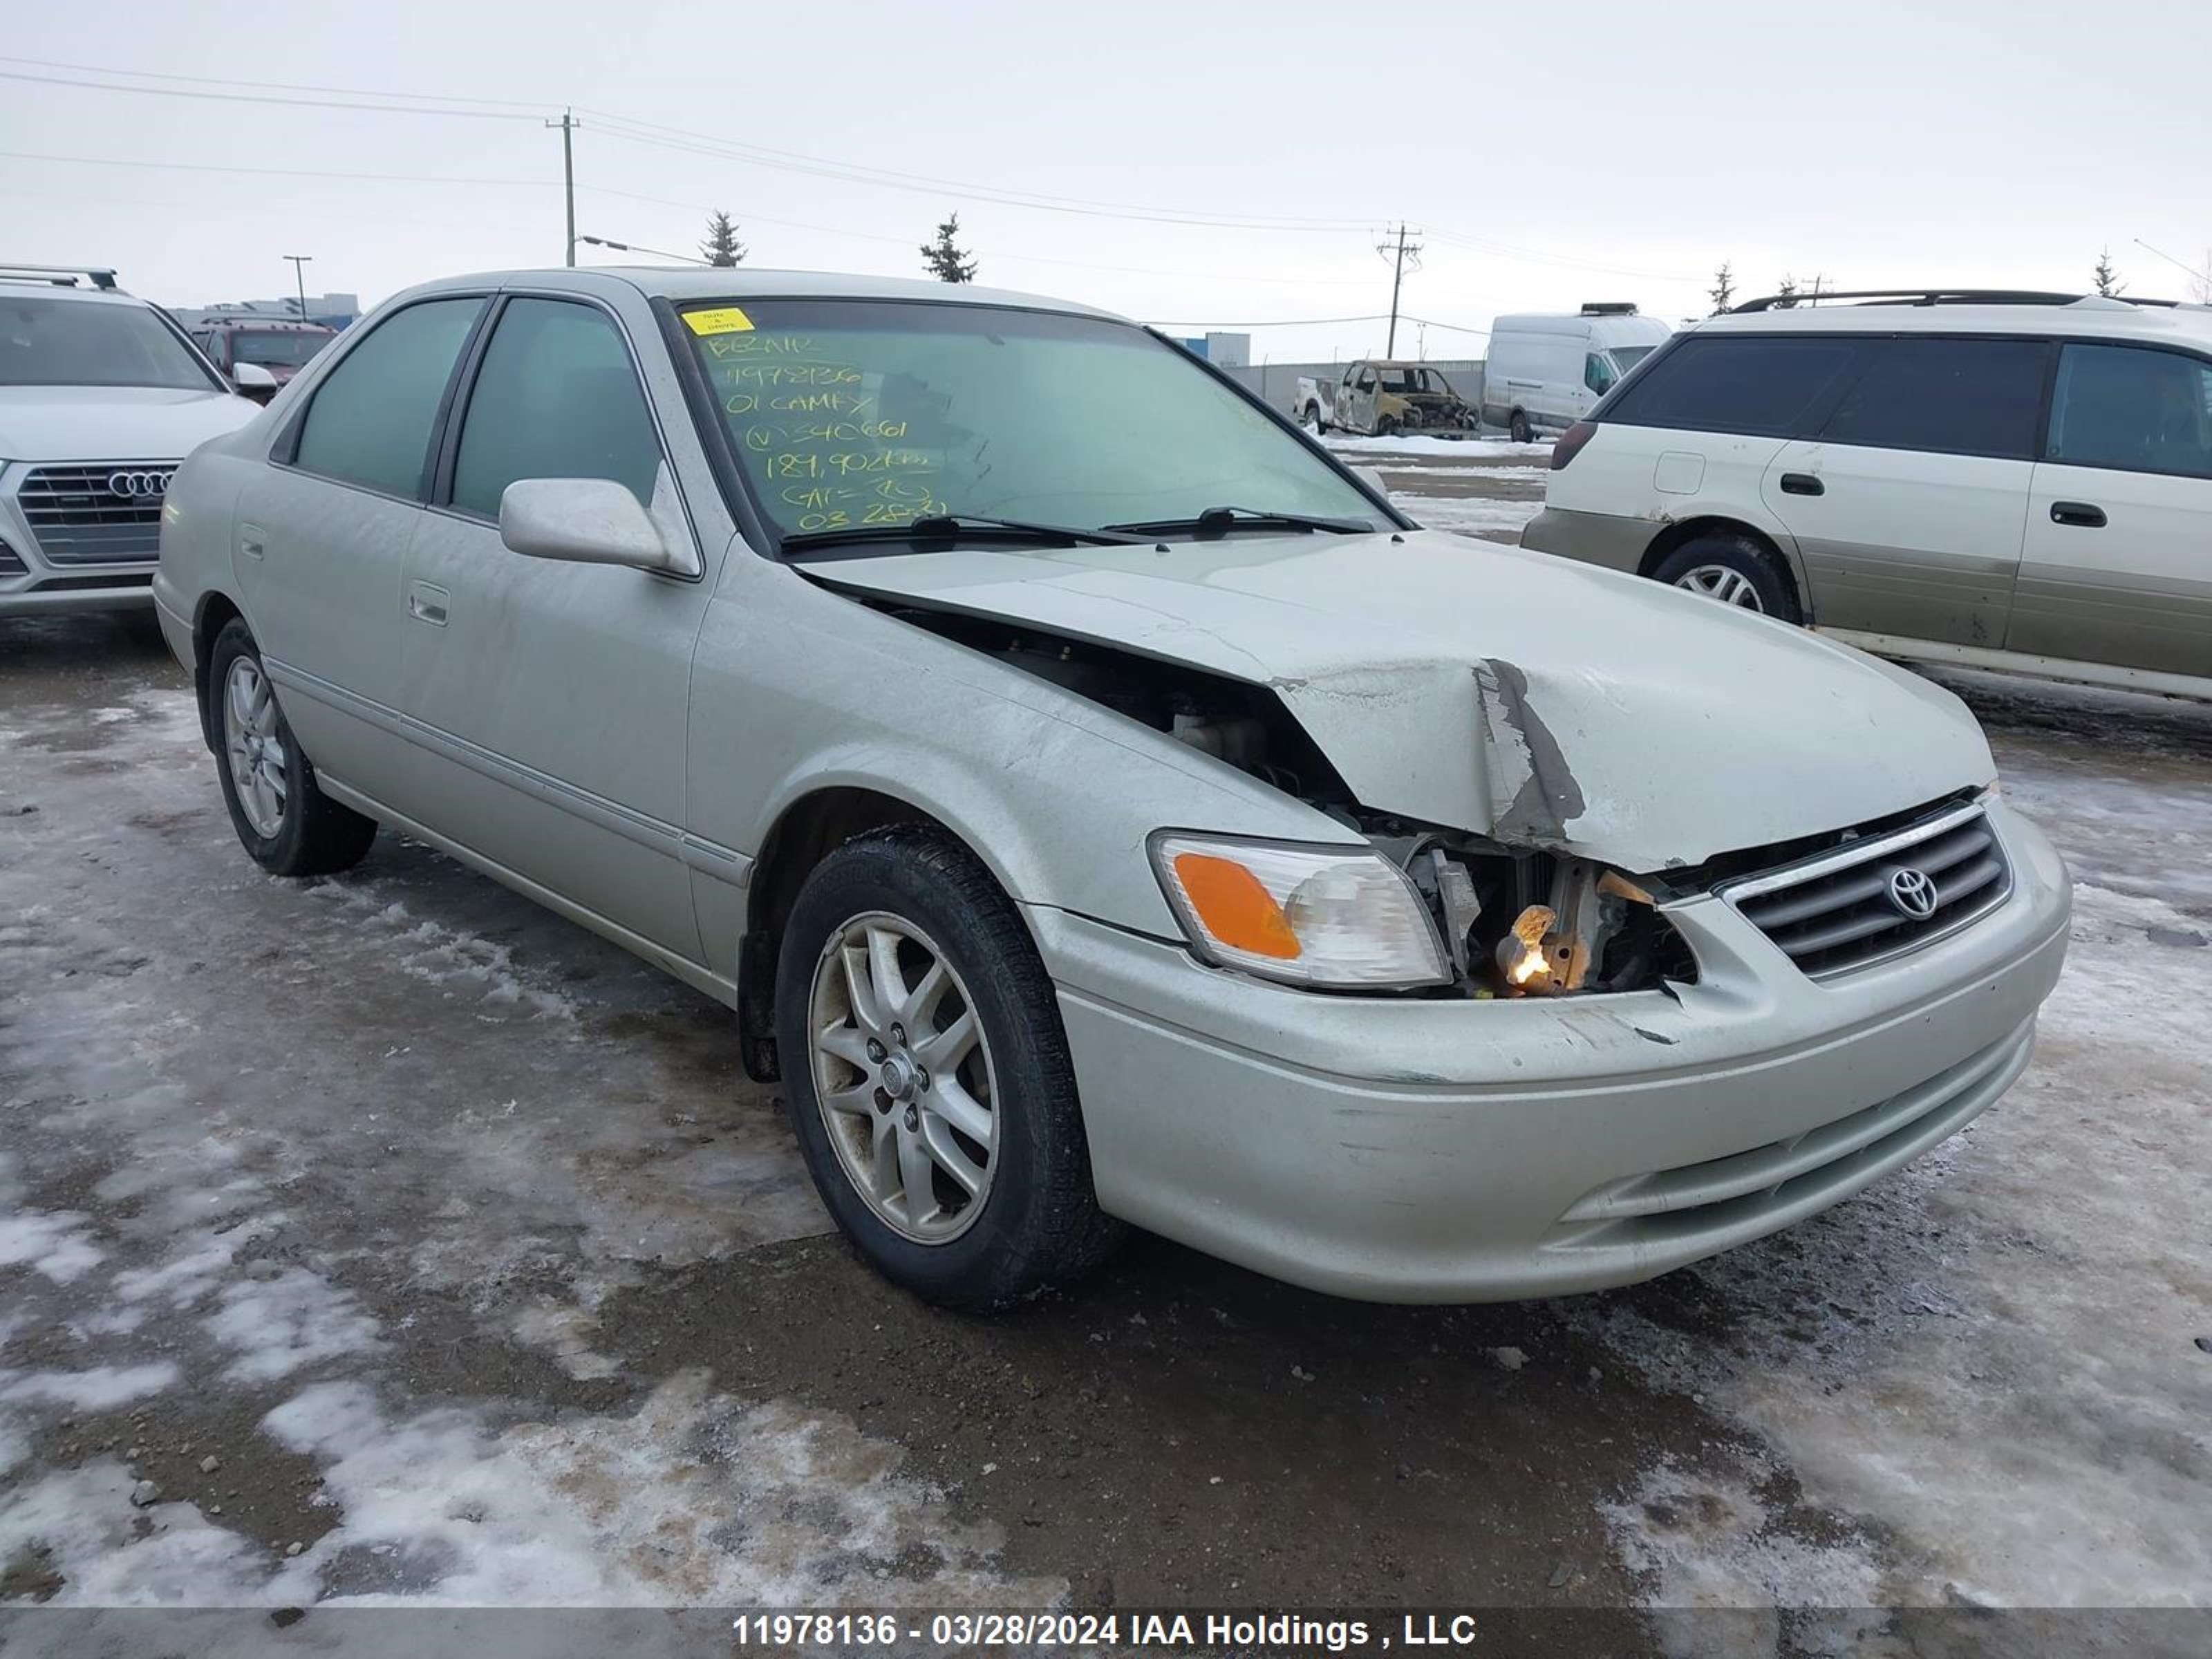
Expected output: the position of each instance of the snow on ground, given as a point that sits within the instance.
(1465, 448)
(694, 1499)
(1477, 516)
(1988, 1359)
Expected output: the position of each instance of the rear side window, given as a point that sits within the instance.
(1769, 385)
(2134, 409)
(1959, 397)
(557, 398)
(370, 421)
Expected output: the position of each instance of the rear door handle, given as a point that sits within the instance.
(427, 604)
(1802, 484)
(2083, 514)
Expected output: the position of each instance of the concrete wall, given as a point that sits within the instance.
(1278, 383)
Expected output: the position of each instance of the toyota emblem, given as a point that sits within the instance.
(138, 484)
(1912, 892)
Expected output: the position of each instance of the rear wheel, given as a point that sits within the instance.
(1313, 421)
(1519, 427)
(283, 820)
(928, 1074)
(1734, 570)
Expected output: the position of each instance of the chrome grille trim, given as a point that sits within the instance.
(1830, 913)
(78, 520)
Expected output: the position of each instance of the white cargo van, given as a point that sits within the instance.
(1544, 373)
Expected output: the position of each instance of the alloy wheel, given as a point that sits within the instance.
(902, 1077)
(255, 747)
(1721, 582)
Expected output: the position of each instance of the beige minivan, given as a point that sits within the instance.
(2003, 480)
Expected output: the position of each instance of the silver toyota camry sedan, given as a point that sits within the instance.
(1098, 805)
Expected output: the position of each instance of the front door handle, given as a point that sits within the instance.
(2083, 514)
(1802, 484)
(427, 604)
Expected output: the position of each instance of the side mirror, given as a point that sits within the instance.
(586, 521)
(254, 381)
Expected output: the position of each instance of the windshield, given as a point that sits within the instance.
(853, 413)
(50, 342)
(1626, 356)
(276, 349)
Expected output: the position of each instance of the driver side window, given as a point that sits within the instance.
(1597, 373)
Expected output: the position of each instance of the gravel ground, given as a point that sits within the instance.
(385, 1239)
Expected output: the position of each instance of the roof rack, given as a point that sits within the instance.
(102, 276)
(1932, 296)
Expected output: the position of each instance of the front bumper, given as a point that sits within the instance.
(1616, 543)
(1418, 1150)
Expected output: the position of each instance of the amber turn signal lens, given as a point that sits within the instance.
(1234, 907)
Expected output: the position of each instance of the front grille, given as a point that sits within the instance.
(11, 562)
(1843, 910)
(83, 515)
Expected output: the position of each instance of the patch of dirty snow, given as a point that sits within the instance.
(1988, 1360)
(56, 1243)
(293, 1318)
(1467, 514)
(102, 1389)
(1345, 444)
(447, 956)
(695, 1498)
(1709, 1540)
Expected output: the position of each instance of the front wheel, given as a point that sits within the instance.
(283, 820)
(929, 1080)
(1734, 570)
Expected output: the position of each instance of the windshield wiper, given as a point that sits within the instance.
(1220, 520)
(949, 526)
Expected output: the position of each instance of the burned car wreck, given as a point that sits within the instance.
(1101, 808)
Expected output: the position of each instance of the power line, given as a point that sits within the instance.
(258, 98)
(537, 108)
(607, 127)
(282, 173)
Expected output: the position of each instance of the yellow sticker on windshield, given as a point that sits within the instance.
(727, 320)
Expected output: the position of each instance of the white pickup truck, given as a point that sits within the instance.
(1380, 399)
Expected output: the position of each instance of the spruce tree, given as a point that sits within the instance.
(721, 246)
(945, 258)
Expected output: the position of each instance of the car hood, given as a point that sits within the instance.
(1484, 688)
(114, 422)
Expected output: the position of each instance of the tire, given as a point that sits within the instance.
(1032, 1220)
(1733, 570)
(1312, 423)
(1386, 427)
(1522, 432)
(285, 821)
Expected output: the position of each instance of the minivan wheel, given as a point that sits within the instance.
(1522, 431)
(928, 1075)
(1733, 570)
(283, 820)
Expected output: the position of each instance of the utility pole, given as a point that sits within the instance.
(568, 125)
(1396, 255)
(300, 279)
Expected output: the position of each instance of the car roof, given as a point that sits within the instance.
(34, 288)
(686, 284)
(2093, 316)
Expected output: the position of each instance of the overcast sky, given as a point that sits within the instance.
(1548, 153)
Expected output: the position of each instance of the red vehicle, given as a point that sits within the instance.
(281, 347)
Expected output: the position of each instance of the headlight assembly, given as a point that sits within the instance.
(1338, 917)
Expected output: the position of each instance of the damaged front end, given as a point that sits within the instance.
(1498, 918)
